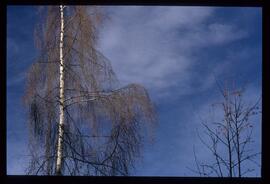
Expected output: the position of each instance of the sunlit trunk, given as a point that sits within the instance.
(61, 106)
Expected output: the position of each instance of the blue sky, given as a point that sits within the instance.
(175, 52)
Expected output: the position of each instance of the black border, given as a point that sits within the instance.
(265, 91)
(244, 3)
(129, 180)
(76, 179)
(3, 96)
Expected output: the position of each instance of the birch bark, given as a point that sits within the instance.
(61, 93)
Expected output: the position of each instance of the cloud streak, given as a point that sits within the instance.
(155, 45)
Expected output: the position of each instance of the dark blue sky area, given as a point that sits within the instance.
(175, 52)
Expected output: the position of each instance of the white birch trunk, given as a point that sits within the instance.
(61, 93)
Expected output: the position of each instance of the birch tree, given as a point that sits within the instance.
(81, 121)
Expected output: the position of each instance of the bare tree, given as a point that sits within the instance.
(81, 121)
(229, 140)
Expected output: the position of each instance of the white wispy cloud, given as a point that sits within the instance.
(155, 46)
